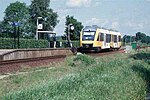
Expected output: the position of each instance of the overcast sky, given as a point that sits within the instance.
(126, 16)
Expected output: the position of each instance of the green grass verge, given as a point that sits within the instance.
(116, 77)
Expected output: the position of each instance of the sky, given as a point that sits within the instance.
(125, 16)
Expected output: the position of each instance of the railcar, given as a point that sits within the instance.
(96, 38)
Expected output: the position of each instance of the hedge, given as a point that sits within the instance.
(8, 43)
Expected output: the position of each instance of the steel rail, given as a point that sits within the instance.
(30, 59)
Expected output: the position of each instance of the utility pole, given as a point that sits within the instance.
(16, 33)
(14, 37)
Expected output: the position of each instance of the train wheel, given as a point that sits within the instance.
(98, 50)
(118, 48)
(110, 49)
(78, 49)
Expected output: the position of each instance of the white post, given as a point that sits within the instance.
(70, 27)
(60, 44)
(54, 44)
(37, 23)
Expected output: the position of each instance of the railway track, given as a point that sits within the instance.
(103, 53)
(10, 66)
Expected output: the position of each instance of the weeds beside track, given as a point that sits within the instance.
(10, 66)
(116, 77)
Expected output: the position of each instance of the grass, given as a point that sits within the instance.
(34, 77)
(116, 77)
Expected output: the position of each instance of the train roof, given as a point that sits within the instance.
(95, 27)
(115, 33)
(90, 28)
(103, 30)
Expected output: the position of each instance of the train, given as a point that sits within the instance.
(97, 38)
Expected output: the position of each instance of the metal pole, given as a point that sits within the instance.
(69, 41)
(12, 40)
(14, 37)
(18, 36)
(69, 34)
(68, 37)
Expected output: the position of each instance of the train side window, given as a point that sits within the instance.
(115, 38)
(108, 38)
(102, 37)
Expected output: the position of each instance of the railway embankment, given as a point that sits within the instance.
(119, 76)
(15, 60)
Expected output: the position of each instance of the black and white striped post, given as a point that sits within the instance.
(70, 28)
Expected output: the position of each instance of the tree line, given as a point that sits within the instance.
(139, 37)
(27, 16)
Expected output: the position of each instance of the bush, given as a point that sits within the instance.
(75, 44)
(85, 59)
(81, 60)
(143, 54)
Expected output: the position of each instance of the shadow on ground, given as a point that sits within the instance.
(142, 71)
(142, 56)
(145, 74)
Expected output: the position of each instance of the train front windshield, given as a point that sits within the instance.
(89, 35)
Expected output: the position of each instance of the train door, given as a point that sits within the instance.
(117, 41)
(105, 40)
(108, 40)
(112, 41)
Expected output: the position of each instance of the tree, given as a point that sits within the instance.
(128, 39)
(1, 27)
(141, 37)
(16, 12)
(75, 34)
(148, 39)
(41, 8)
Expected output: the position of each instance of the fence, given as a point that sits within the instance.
(63, 44)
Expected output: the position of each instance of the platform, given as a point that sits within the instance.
(13, 54)
(4, 51)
